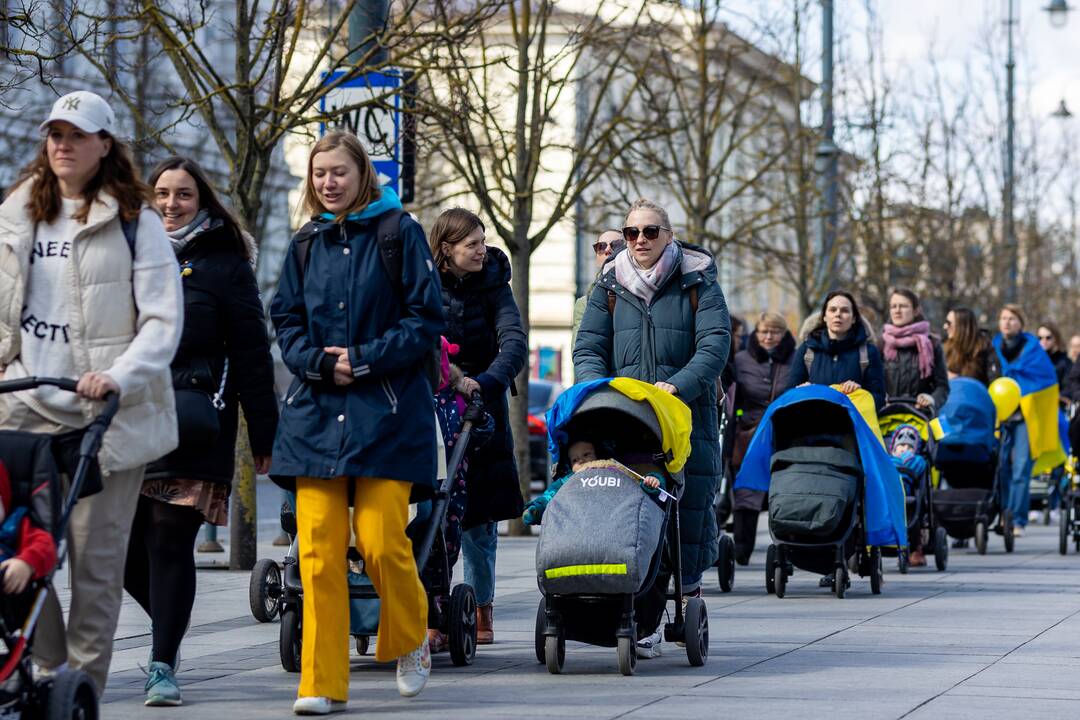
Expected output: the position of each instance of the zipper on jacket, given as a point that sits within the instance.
(288, 400)
(390, 396)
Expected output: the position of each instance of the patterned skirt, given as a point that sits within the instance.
(211, 499)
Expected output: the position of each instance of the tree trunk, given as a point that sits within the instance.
(519, 406)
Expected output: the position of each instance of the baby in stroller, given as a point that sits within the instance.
(582, 455)
(27, 552)
(905, 448)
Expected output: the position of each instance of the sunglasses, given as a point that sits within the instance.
(1046, 337)
(602, 247)
(651, 232)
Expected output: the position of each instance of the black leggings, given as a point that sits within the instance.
(160, 571)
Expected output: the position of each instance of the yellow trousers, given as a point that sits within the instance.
(381, 512)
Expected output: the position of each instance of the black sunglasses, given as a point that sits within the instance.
(651, 232)
(601, 246)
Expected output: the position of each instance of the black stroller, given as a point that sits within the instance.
(275, 589)
(32, 461)
(974, 501)
(608, 552)
(817, 499)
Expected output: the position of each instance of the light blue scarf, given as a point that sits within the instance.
(388, 200)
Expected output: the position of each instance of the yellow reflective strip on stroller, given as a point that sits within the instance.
(572, 570)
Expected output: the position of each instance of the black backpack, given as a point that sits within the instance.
(388, 237)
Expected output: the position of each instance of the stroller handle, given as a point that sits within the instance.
(112, 399)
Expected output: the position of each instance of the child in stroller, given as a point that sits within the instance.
(905, 447)
(582, 455)
(27, 551)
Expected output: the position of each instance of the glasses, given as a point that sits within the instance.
(602, 247)
(651, 232)
(770, 331)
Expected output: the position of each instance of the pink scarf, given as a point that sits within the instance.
(916, 334)
(646, 283)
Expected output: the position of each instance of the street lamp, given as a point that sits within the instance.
(1059, 12)
(1062, 111)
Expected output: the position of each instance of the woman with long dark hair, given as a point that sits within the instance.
(482, 317)
(968, 350)
(90, 290)
(838, 351)
(223, 364)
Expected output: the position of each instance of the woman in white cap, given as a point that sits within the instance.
(89, 288)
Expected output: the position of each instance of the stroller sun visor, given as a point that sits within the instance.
(968, 417)
(886, 524)
(893, 416)
(663, 413)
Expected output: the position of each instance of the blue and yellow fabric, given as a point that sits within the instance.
(884, 509)
(1039, 401)
(968, 417)
(672, 414)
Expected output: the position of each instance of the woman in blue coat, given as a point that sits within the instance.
(657, 314)
(838, 351)
(358, 423)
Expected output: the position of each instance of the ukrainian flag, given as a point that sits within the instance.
(1039, 395)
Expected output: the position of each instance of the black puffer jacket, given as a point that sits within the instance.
(482, 317)
(223, 317)
(902, 379)
(1062, 365)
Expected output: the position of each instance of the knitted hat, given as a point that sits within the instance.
(906, 435)
(448, 349)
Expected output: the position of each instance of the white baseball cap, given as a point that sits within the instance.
(85, 110)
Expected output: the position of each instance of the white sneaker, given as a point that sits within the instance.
(317, 706)
(413, 670)
(1034, 516)
(44, 673)
(649, 647)
(1055, 516)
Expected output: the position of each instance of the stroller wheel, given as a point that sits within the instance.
(555, 652)
(363, 644)
(903, 561)
(981, 537)
(840, 582)
(725, 563)
(941, 549)
(875, 570)
(289, 638)
(627, 650)
(779, 580)
(462, 628)
(264, 590)
(72, 695)
(770, 569)
(538, 638)
(1007, 528)
(696, 631)
(1063, 529)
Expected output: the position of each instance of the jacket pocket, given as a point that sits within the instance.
(294, 393)
(391, 397)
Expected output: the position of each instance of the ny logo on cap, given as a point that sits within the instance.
(72, 103)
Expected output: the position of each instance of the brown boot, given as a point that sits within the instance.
(485, 635)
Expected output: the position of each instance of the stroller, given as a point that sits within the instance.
(834, 496)
(278, 590)
(1069, 516)
(971, 499)
(607, 550)
(32, 458)
(918, 487)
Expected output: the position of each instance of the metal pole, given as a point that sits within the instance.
(1011, 248)
(366, 20)
(827, 157)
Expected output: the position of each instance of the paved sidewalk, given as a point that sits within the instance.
(995, 636)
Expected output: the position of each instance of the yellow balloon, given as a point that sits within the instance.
(1005, 392)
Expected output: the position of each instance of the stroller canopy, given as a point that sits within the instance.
(968, 417)
(885, 521)
(663, 413)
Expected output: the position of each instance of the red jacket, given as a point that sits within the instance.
(36, 548)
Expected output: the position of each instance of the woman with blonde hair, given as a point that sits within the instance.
(358, 421)
(761, 372)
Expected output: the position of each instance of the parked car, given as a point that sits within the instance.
(542, 394)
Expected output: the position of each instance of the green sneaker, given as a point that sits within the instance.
(161, 687)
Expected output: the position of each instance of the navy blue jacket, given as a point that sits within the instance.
(482, 317)
(383, 424)
(837, 361)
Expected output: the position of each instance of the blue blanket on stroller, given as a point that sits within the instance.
(968, 417)
(884, 511)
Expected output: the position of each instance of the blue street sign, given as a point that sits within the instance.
(379, 127)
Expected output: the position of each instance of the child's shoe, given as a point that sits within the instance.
(317, 706)
(413, 670)
(161, 688)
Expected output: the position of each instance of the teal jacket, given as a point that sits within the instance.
(534, 511)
